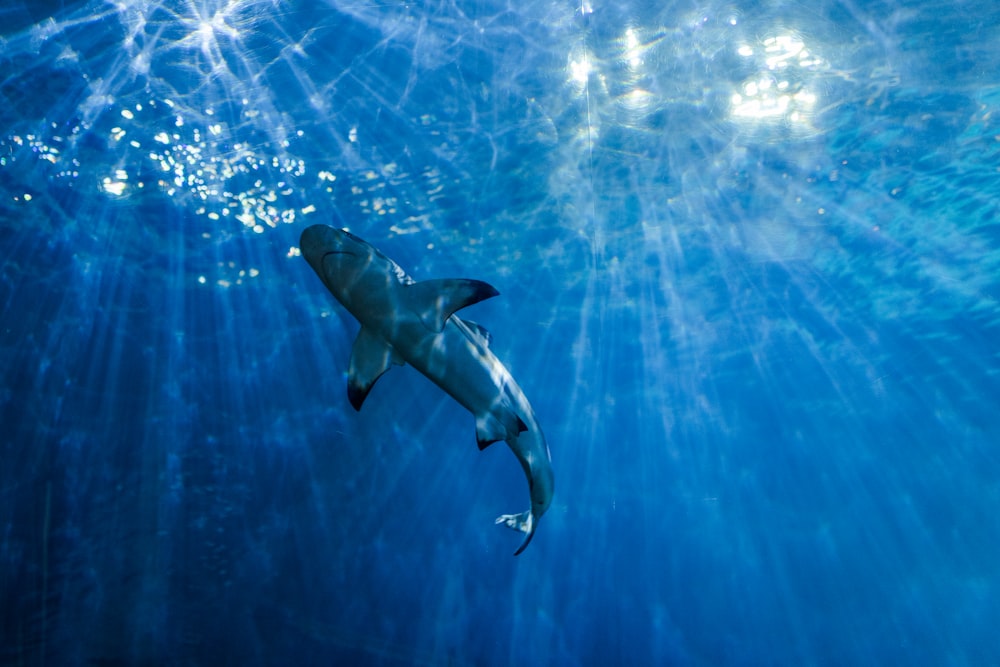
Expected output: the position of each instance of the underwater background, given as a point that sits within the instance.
(749, 263)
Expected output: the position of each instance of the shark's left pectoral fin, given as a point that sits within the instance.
(479, 333)
(371, 356)
(435, 300)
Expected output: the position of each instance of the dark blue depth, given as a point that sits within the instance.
(748, 258)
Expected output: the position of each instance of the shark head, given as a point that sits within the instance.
(341, 260)
(334, 253)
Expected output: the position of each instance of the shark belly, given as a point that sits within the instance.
(466, 370)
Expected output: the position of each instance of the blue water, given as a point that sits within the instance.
(749, 264)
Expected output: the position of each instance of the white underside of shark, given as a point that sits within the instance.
(404, 321)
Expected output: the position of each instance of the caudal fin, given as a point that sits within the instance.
(523, 522)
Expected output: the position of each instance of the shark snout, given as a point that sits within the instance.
(318, 240)
(333, 253)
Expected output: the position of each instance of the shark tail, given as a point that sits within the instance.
(524, 522)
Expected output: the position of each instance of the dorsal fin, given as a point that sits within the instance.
(435, 300)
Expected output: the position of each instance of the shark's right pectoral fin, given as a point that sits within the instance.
(371, 356)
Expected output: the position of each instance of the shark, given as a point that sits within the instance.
(404, 321)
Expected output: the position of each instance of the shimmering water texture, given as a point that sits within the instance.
(748, 257)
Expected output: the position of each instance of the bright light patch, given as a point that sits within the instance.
(116, 188)
(632, 49)
(631, 41)
(779, 90)
(580, 70)
(782, 50)
(638, 100)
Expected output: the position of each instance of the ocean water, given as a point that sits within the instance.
(748, 256)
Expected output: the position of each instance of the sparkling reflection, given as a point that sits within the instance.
(780, 88)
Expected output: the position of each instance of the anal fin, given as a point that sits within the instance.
(489, 429)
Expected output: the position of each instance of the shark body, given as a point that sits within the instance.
(404, 321)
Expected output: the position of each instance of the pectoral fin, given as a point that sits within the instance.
(371, 356)
(435, 300)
